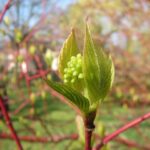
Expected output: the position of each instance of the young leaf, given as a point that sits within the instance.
(91, 69)
(74, 97)
(69, 49)
(97, 70)
(106, 74)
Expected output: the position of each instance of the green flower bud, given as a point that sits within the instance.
(20, 58)
(18, 35)
(79, 56)
(32, 98)
(68, 64)
(32, 49)
(65, 81)
(22, 120)
(65, 76)
(73, 72)
(43, 95)
(65, 70)
(7, 20)
(73, 80)
(48, 57)
(49, 77)
(80, 76)
(73, 58)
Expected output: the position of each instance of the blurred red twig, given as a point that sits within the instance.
(130, 143)
(28, 78)
(20, 107)
(122, 129)
(9, 124)
(54, 138)
(6, 7)
(126, 142)
(40, 75)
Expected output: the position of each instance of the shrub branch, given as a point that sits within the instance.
(129, 125)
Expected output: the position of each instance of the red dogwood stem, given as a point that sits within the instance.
(6, 7)
(88, 137)
(54, 138)
(9, 124)
(122, 129)
(89, 128)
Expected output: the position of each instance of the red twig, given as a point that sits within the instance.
(9, 124)
(89, 128)
(130, 143)
(122, 129)
(88, 137)
(54, 138)
(34, 29)
(39, 75)
(6, 7)
(126, 142)
(19, 108)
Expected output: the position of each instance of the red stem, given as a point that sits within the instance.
(89, 128)
(122, 129)
(127, 142)
(9, 124)
(6, 7)
(54, 138)
(39, 75)
(131, 143)
(88, 136)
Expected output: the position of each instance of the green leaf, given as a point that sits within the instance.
(106, 75)
(97, 70)
(73, 97)
(69, 49)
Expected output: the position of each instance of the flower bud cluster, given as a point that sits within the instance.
(73, 71)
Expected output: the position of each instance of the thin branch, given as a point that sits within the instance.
(9, 124)
(130, 143)
(6, 7)
(121, 130)
(126, 142)
(54, 138)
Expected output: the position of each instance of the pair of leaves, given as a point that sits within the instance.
(98, 72)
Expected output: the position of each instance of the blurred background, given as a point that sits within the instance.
(31, 36)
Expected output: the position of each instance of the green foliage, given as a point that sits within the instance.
(91, 75)
(98, 70)
(74, 97)
(68, 50)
